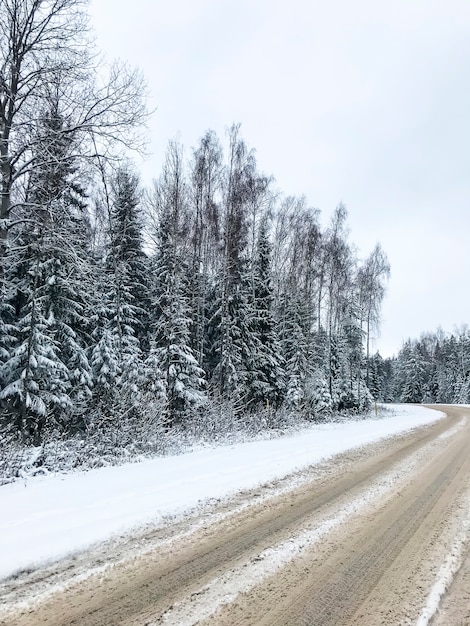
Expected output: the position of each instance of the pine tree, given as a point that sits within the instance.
(414, 375)
(319, 398)
(351, 337)
(265, 363)
(48, 278)
(7, 328)
(35, 378)
(206, 179)
(105, 363)
(116, 356)
(233, 342)
(183, 379)
(338, 386)
(121, 316)
(296, 350)
(127, 258)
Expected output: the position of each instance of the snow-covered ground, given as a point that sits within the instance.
(48, 517)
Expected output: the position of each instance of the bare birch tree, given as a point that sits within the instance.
(372, 277)
(46, 45)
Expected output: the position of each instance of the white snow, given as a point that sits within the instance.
(48, 517)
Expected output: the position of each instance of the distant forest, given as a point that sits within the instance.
(209, 292)
(434, 368)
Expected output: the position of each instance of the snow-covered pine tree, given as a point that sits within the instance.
(121, 316)
(116, 356)
(7, 328)
(318, 391)
(204, 200)
(232, 340)
(377, 378)
(127, 256)
(351, 336)
(265, 383)
(183, 379)
(106, 369)
(462, 394)
(338, 369)
(35, 378)
(449, 366)
(296, 341)
(47, 373)
(414, 372)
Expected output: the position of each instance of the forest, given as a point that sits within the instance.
(433, 368)
(207, 297)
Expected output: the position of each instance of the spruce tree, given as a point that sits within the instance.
(265, 363)
(35, 378)
(204, 200)
(414, 375)
(127, 257)
(106, 371)
(183, 378)
(232, 340)
(121, 316)
(296, 350)
(47, 374)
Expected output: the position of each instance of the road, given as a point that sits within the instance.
(375, 536)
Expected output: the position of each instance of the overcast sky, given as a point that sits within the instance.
(364, 102)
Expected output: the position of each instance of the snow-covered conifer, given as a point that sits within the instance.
(183, 378)
(48, 279)
(265, 364)
(36, 381)
(126, 255)
(297, 349)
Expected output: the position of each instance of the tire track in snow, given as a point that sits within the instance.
(449, 567)
(223, 590)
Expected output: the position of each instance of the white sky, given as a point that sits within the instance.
(365, 102)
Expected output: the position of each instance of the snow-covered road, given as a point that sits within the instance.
(49, 517)
(364, 522)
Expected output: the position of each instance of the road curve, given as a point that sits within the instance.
(361, 539)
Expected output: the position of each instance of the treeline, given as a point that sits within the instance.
(434, 368)
(119, 302)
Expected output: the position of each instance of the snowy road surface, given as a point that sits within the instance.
(374, 535)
